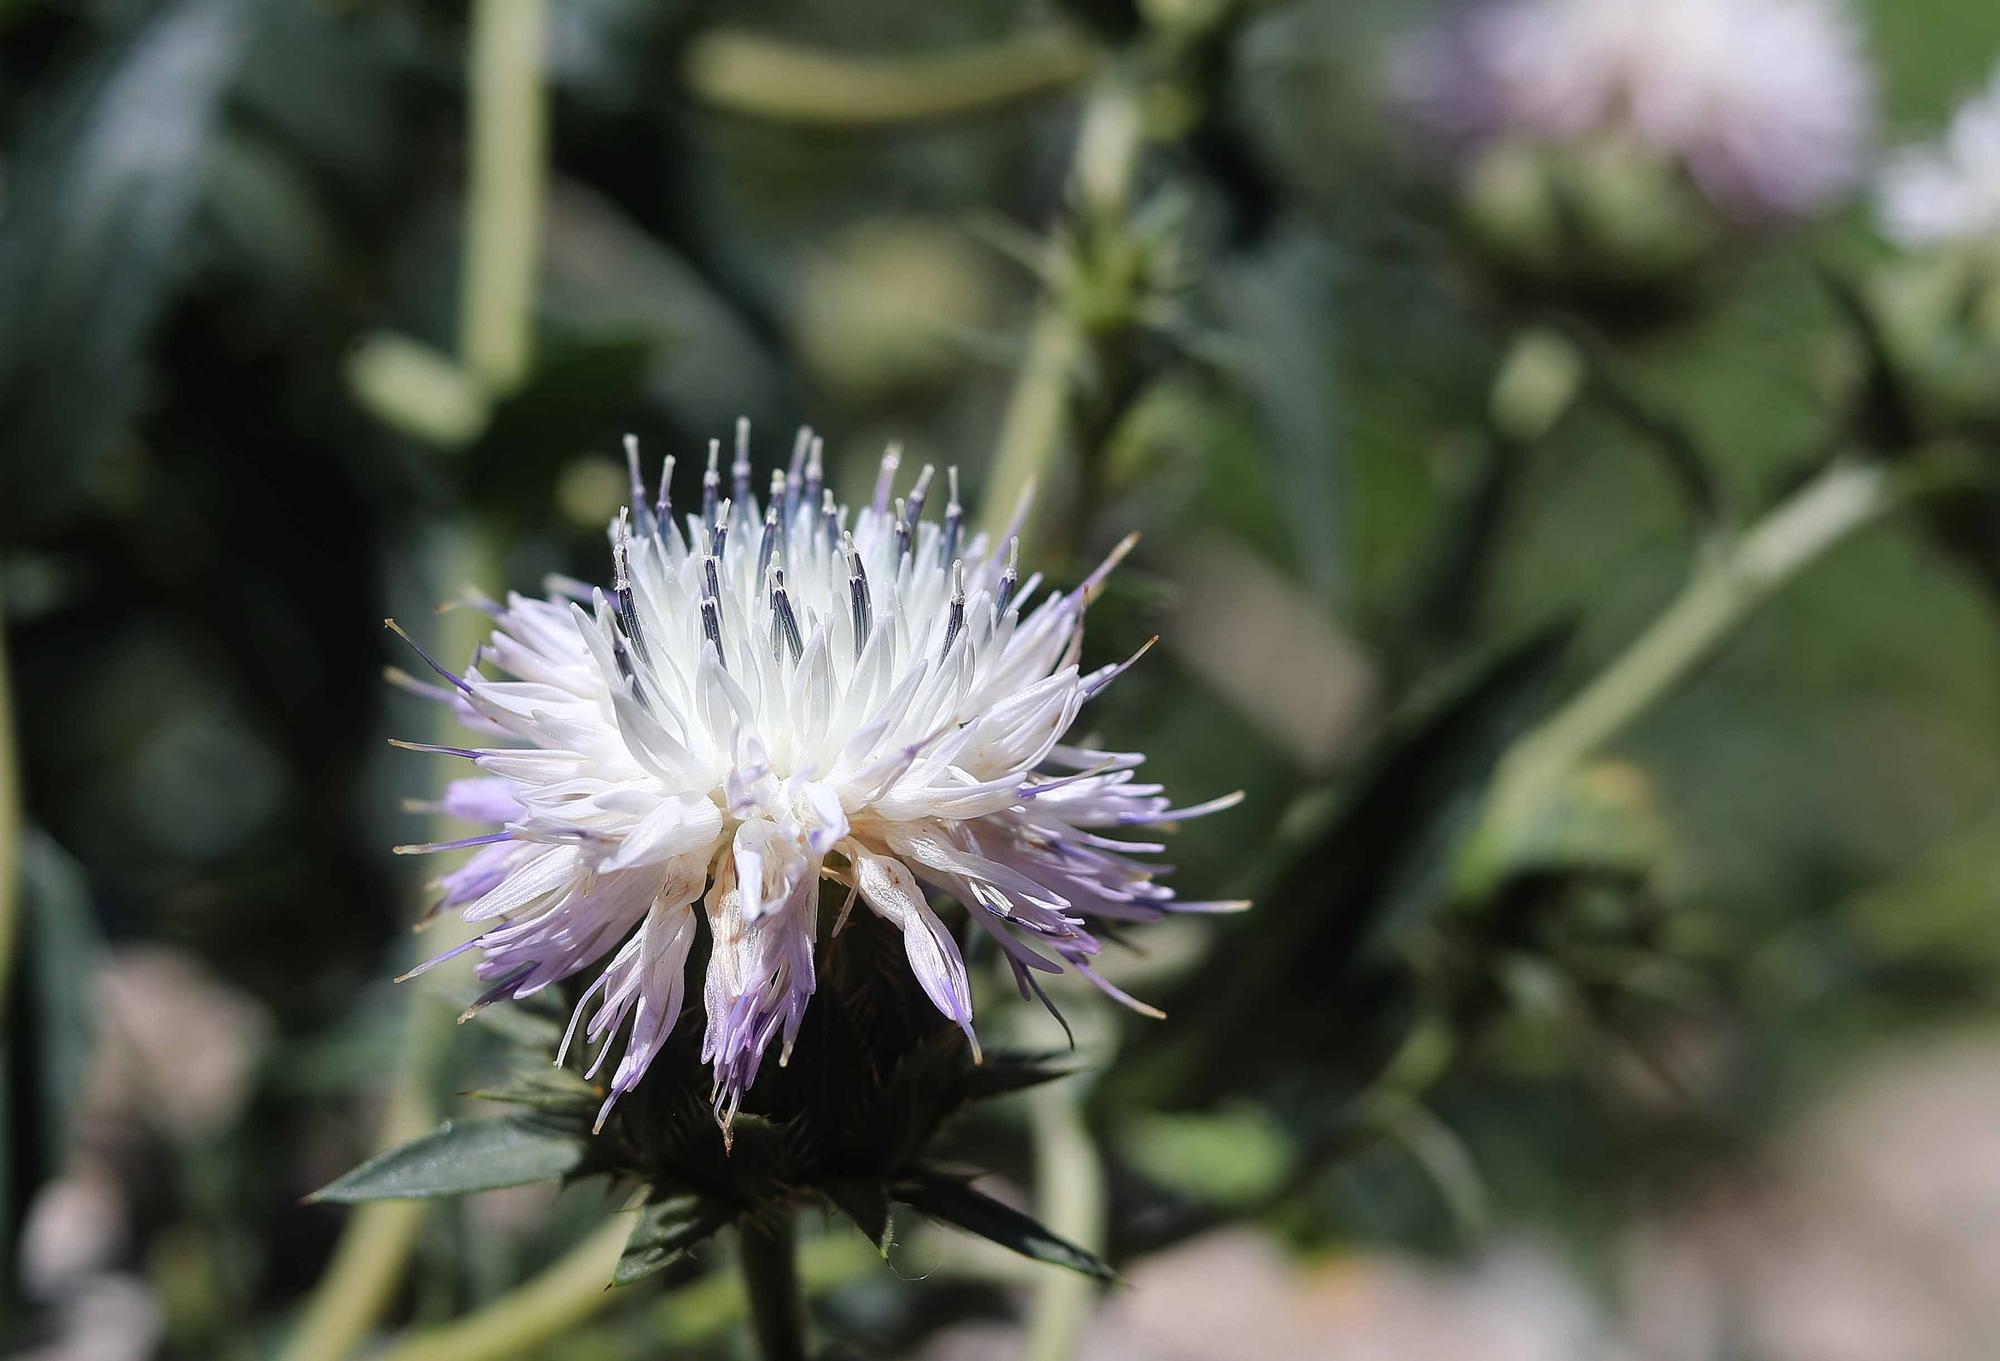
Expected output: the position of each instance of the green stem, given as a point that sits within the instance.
(366, 1270)
(767, 1249)
(10, 826)
(1728, 587)
(746, 74)
(1069, 1177)
(1110, 138)
(507, 156)
(570, 1292)
(535, 1312)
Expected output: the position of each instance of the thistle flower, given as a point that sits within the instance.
(1947, 191)
(1766, 104)
(769, 698)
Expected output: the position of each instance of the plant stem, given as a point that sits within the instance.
(10, 826)
(508, 132)
(572, 1290)
(743, 73)
(1727, 588)
(366, 1270)
(536, 1311)
(767, 1249)
(1069, 1176)
(1110, 138)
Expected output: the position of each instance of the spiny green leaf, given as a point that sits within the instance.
(529, 1022)
(953, 1200)
(462, 1156)
(667, 1230)
(545, 1089)
(1005, 1073)
(866, 1202)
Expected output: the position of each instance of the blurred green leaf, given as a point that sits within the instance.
(1602, 818)
(952, 1199)
(1442, 1155)
(463, 1156)
(1343, 894)
(1280, 303)
(666, 1232)
(49, 1028)
(1237, 1156)
(1941, 911)
(99, 205)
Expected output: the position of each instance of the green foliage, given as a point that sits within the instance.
(463, 1156)
(95, 238)
(853, 1120)
(952, 1200)
(1238, 1157)
(49, 1029)
(666, 1232)
(559, 1091)
(1480, 468)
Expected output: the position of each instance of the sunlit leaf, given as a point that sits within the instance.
(463, 1156)
(953, 1200)
(1237, 1156)
(1004, 1073)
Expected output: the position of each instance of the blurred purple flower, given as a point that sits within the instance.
(771, 698)
(1767, 104)
(1948, 190)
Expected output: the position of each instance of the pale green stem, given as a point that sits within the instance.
(745, 74)
(1070, 1199)
(692, 1315)
(367, 1267)
(573, 1290)
(11, 870)
(539, 1310)
(1110, 138)
(507, 155)
(10, 826)
(1032, 429)
(1729, 585)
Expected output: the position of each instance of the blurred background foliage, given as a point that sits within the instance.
(247, 408)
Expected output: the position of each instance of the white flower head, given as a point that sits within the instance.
(1949, 190)
(1767, 104)
(771, 698)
